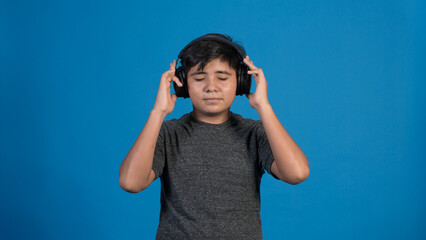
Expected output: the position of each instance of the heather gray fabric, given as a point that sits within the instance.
(210, 178)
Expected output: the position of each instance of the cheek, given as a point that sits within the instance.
(190, 87)
(194, 90)
(230, 87)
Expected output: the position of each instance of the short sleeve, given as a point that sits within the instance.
(266, 158)
(159, 153)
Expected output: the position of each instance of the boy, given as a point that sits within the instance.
(211, 160)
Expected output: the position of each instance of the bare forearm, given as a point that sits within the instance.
(290, 160)
(136, 166)
(290, 163)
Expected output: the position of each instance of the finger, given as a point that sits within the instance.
(170, 72)
(249, 63)
(257, 74)
(249, 95)
(177, 81)
(166, 76)
(173, 65)
(255, 71)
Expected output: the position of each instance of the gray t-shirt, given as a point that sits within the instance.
(210, 178)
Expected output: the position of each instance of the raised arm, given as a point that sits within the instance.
(290, 163)
(136, 172)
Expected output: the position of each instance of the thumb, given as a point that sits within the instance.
(249, 95)
(174, 98)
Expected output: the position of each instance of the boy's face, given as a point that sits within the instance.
(212, 90)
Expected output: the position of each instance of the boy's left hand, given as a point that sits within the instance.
(259, 98)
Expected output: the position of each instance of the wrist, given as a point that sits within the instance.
(158, 113)
(263, 109)
(263, 106)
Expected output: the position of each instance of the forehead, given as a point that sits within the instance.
(214, 65)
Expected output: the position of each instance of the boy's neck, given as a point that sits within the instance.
(213, 118)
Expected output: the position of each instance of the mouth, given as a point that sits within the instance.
(212, 100)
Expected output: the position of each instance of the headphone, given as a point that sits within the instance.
(243, 78)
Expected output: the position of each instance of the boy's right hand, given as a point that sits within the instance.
(165, 101)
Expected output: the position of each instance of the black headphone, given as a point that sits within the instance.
(243, 78)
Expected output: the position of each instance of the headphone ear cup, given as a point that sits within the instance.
(180, 91)
(184, 83)
(243, 81)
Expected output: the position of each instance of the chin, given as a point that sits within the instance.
(211, 111)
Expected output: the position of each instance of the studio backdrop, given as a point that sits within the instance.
(78, 80)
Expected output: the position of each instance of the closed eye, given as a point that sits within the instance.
(201, 79)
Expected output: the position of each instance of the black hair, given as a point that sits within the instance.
(205, 51)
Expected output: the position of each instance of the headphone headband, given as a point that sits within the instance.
(213, 37)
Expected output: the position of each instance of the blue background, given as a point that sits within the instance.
(346, 79)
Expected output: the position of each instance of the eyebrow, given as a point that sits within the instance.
(222, 72)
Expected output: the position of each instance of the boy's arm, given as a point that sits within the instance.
(136, 172)
(290, 163)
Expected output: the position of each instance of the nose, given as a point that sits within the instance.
(211, 85)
